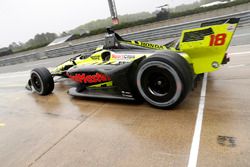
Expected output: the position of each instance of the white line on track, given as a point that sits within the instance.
(12, 86)
(236, 66)
(240, 53)
(11, 73)
(37, 64)
(18, 74)
(15, 75)
(193, 156)
(242, 35)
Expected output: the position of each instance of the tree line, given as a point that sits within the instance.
(98, 26)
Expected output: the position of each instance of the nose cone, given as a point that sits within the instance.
(73, 71)
(82, 69)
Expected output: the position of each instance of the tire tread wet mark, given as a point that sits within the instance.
(227, 141)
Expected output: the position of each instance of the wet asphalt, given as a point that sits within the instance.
(59, 130)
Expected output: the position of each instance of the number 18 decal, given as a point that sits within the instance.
(218, 40)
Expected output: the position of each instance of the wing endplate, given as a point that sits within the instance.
(207, 45)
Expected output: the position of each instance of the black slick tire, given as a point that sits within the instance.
(42, 81)
(164, 79)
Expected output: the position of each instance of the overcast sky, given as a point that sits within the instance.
(20, 20)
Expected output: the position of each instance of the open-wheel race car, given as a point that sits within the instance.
(162, 75)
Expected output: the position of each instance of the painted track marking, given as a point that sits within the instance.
(18, 74)
(2, 124)
(242, 35)
(239, 53)
(37, 64)
(12, 86)
(193, 156)
(236, 66)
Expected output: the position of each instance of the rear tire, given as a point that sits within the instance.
(42, 81)
(164, 80)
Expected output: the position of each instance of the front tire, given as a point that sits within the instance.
(42, 81)
(164, 80)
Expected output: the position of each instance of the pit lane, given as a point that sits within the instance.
(58, 130)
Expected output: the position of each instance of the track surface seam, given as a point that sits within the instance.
(64, 136)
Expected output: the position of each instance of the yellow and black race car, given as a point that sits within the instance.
(162, 75)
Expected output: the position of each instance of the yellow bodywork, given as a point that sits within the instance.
(147, 45)
(96, 59)
(204, 55)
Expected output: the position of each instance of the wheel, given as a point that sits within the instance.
(164, 80)
(42, 81)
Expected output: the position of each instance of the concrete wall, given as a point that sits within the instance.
(199, 16)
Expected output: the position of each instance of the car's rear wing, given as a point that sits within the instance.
(206, 46)
(223, 21)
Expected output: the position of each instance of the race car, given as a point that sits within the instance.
(123, 69)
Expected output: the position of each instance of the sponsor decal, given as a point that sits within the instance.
(96, 57)
(150, 45)
(123, 57)
(217, 39)
(95, 78)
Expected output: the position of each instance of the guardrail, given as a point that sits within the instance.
(146, 35)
